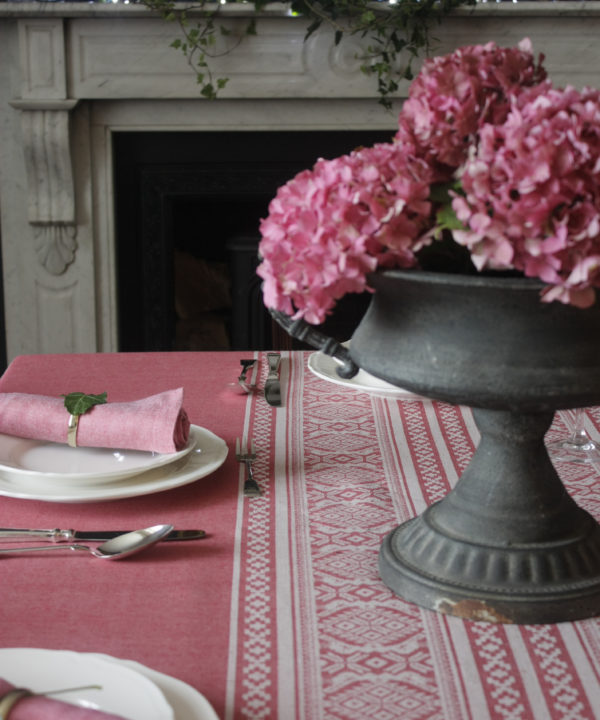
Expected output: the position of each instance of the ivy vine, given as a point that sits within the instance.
(390, 30)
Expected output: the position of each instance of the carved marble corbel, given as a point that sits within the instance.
(51, 201)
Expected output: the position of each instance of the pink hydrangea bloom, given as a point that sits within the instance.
(330, 226)
(453, 95)
(532, 193)
(526, 158)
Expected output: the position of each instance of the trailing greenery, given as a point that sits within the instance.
(390, 30)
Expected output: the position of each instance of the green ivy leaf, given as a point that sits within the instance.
(78, 403)
(208, 91)
(368, 17)
(315, 25)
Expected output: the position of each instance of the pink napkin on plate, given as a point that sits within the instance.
(39, 707)
(157, 423)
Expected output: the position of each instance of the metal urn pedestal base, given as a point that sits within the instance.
(508, 544)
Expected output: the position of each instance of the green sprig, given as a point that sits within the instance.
(396, 34)
(78, 403)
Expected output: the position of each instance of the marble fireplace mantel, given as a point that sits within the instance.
(74, 73)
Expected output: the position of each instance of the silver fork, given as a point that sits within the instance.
(246, 456)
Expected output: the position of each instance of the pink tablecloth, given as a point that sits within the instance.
(280, 612)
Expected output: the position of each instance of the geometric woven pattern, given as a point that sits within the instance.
(339, 470)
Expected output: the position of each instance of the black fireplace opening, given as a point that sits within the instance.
(188, 209)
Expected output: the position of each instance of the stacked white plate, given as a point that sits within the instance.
(39, 470)
(124, 687)
(325, 367)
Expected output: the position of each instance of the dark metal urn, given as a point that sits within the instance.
(508, 543)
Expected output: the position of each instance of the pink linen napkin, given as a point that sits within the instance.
(38, 707)
(157, 423)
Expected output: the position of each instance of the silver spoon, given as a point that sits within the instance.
(115, 549)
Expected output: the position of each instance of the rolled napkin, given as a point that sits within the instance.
(157, 423)
(39, 707)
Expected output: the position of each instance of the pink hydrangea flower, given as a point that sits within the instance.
(532, 193)
(330, 226)
(453, 95)
(525, 156)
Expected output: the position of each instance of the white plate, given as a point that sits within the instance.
(124, 691)
(23, 458)
(207, 454)
(325, 367)
(186, 701)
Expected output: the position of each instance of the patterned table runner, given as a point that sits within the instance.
(316, 634)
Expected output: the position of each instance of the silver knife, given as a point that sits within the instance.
(272, 385)
(57, 535)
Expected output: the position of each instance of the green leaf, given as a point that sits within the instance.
(315, 25)
(208, 91)
(251, 27)
(398, 43)
(439, 193)
(78, 403)
(447, 220)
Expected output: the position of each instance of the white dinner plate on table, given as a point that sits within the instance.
(123, 690)
(39, 460)
(207, 454)
(325, 367)
(186, 701)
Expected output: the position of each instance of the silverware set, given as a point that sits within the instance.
(272, 390)
(117, 546)
(64, 536)
(272, 394)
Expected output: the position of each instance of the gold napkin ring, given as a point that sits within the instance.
(71, 435)
(8, 701)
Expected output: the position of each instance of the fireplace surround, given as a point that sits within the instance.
(76, 74)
